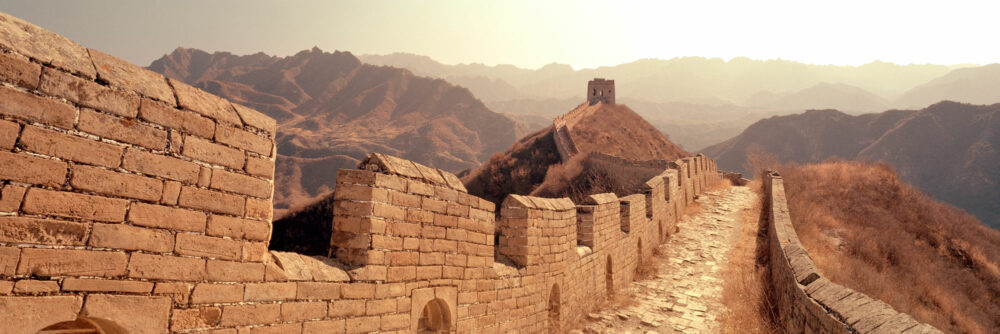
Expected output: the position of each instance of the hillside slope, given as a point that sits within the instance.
(869, 231)
(948, 150)
(977, 85)
(333, 110)
(601, 133)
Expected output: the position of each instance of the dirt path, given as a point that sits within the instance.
(685, 297)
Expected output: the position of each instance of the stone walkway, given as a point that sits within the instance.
(685, 297)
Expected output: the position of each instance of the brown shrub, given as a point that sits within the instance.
(869, 231)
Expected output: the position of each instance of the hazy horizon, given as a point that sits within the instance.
(582, 34)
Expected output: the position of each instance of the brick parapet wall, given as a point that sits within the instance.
(806, 301)
(139, 204)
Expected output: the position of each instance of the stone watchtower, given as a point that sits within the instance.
(601, 90)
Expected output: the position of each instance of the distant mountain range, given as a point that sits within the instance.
(333, 110)
(736, 92)
(948, 150)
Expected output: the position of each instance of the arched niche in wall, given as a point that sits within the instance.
(83, 325)
(433, 310)
(555, 303)
(609, 280)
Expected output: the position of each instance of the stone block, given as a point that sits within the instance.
(69, 147)
(260, 209)
(177, 291)
(207, 151)
(204, 103)
(88, 93)
(9, 131)
(238, 228)
(19, 72)
(226, 271)
(134, 314)
(194, 318)
(9, 257)
(256, 119)
(71, 262)
(122, 74)
(244, 140)
(298, 311)
(45, 46)
(260, 167)
(210, 200)
(317, 290)
(208, 247)
(167, 217)
(208, 293)
(104, 285)
(166, 115)
(30, 286)
(103, 181)
(241, 184)
(31, 169)
(324, 327)
(171, 191)
(25, 230)
(36, 109)
(250, 314)
(73, 205)
(28, 315)
(269, 291)
(166, 267)
(122, 129)
(161, 165)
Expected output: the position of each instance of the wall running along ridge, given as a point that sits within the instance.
(807, 302)
(132, 203)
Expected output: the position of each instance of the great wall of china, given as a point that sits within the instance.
(806, 301)
(132, 203)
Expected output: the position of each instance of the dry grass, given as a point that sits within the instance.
(867, 230)
(647, 268)
(745, 291)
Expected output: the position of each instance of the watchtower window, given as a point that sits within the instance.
(595, 92)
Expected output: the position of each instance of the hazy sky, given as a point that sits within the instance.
(534, 33)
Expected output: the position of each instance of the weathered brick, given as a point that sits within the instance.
(41, 231)
(88, 93)
(178, 291)
(166, 267)
(225, 226)
(44, 46)
(394, 322)
(134, 314)
(109, 182)
(204, 177)
(241, 139)
(241, 184)
(260, 167)
(34, 170)
(207, 151)
(317, 290)
(324, 327)
(381, 306)
(363, 324)
(166, 217)
(36, 109)
(10, 255)
(297, 311)
(346, 308)
(120, 236)
(11, 197)
(254, 251)
(19, 72)
(269, 291)
(358, 291)
(171, 191)
(256, 119)
(122, 74)
(6, 287)
(201, 317)
(295, 328)
(250, 314)
(29, 314)
(210, 200)
(207, 293)
(226, 271)
(260, 209)
(161, 165)
(204, 103)
(210, 247)
(73, 205)
(121, 129)
(168, 116)
(30, 286)
(61, 145)
(10, 130)
(105, 285)
(71, 262)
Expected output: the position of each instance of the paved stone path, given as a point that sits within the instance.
(685, 297)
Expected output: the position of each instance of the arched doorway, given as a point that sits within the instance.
(435, 318)
(609, 280)
(554, 323)
(83, 325)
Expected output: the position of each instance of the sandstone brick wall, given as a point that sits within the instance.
(807, 302)
(138, 204)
